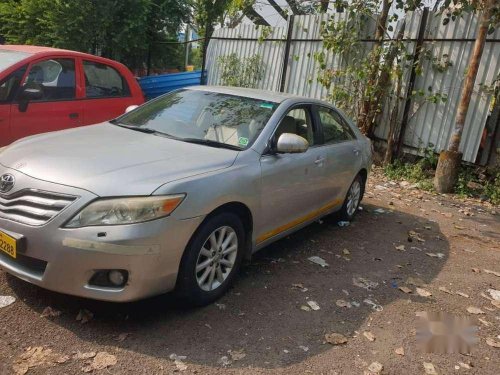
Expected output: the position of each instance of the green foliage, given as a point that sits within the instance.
(472, 181)
(492, 189)
(473, 184)
(118, 29)
(241, 72)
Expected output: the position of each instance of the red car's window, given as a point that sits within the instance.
(103, 81)
(55, 78)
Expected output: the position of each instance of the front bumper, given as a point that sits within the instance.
(64, 260)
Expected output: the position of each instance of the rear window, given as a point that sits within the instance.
(9, 58)
(103, 81)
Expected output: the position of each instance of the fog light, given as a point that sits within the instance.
(109, 278)
(116, 277)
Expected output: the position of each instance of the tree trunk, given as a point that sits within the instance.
(384, 81)
(367, 111)
(447, 169)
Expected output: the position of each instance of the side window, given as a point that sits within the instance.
(54, 77)
(297, 121)
(334, 128)
(9, 85)
(103, 81)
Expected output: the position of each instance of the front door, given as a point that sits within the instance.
(8, 88)
(56, 108)
(292, 184)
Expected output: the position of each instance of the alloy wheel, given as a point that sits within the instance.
(353, 197)
(216, 258)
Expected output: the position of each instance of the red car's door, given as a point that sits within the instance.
(8, 88)
(56, 108)
(107, 92)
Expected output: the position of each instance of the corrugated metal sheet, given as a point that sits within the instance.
(433, 123)
(430, 124)
(271, 52)
(154, 86)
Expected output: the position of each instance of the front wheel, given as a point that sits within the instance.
(211, 260)
(352, 200)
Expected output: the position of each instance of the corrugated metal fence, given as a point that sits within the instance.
(431, 124)
(154, 86)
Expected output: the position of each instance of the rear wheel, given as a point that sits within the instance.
(353, 198)
(211, 260)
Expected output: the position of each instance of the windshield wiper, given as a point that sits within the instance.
(210, 143)
(141, 129)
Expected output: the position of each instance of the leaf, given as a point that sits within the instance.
(375, 368)
(313, 305)
(399, 351)
(444, 289)
(237, 355)
(429, 368)
(474, 310)
(335, 338)
(369, 336)
(405, 289)
(101, 361)
(423, 293)
(492, 273)
(50, 312)
(492, 342)
(122, 337)
(6, 301)
(342, 303)
(84, 316)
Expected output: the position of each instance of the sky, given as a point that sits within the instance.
(274, 19)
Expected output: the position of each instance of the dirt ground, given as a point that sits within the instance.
(262, 325)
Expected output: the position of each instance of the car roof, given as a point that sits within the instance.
(30, 49)
(270, 96)
(48, 51)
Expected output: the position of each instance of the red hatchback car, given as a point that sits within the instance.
(46, 89)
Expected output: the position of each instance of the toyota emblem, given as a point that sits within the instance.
(7, 182)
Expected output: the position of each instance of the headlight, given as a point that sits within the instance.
(125, 210)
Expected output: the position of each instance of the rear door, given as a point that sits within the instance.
(343, 156)
(57, 108)
(107, 92)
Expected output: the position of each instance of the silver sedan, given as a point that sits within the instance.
(176, 193)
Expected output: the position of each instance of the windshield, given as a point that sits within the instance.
(203, 117)
(9, 58)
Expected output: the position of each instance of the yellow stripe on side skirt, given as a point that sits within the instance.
(298, 221)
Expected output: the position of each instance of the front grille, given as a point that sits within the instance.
(33, 207)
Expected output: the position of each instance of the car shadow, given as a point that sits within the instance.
(263, 314)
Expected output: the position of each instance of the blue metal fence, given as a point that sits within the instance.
(153, 86)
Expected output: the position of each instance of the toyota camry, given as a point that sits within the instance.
(174, 194)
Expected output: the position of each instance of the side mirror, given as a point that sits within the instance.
(289, 143)
(130, 108)
(27, 95)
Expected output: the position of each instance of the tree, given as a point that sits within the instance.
(119, 29)
(449, 160)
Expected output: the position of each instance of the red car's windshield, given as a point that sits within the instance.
(9, 58)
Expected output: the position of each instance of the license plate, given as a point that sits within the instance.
(8, 244)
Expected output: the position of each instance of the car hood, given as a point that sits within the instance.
(108, 160)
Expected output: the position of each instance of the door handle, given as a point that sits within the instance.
(319, 161)
(356, 151)
(73, 115)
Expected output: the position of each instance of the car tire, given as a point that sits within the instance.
(194, 287)
(352, 199)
